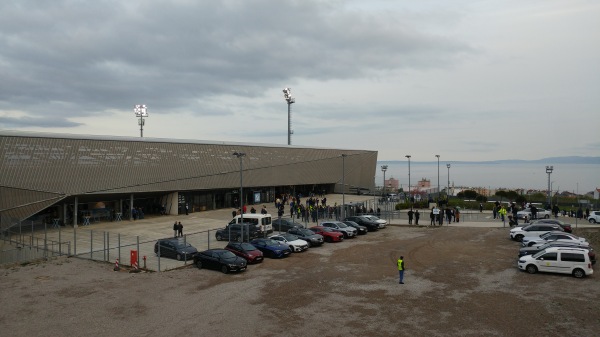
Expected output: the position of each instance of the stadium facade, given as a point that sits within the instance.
(65, 178)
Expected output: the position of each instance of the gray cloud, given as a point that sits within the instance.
(111, 54)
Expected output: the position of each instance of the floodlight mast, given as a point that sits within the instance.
(287, 94)
(141, 112)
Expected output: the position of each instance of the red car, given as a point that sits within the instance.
(328, 234)
(245, 250)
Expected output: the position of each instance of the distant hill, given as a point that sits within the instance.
(548, 161)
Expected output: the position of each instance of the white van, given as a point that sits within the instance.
(261, 220)
(564, 260)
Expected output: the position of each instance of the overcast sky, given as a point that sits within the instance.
(468, 80)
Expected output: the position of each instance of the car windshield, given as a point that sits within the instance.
(247, 246)
(272, 242)
(290, 237)
(305, 232)
(180, 245)
(341, 224)
(327, 229)
(226, 254)
(538, 254)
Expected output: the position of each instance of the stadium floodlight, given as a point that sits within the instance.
(141, 112)
(287, 95)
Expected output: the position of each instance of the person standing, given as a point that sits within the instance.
(263, 210)
(401, 269)
(502, 213)
(175, 228)
(410, 216)
(186, 209)
(179, 229)
(417, 215)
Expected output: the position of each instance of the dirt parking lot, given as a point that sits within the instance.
(459, 282)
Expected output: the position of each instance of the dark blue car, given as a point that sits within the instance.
(271, 248)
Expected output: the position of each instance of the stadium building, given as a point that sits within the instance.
(68, 179)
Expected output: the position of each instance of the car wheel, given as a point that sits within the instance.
(219, 237)
(531, 269)
(578, 273)
(592, 220)
(292, 249)
(519, 237)
(309, 244)
(547, 216)
(224, 269)
(328, 239)
(530, 244)
(178, 257)
(199, 264)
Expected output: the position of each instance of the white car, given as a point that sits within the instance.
(541, 213)
(382, 223)
(296, 245)
(574, 261)
(594, 217)
(529, 241)
(518, 233)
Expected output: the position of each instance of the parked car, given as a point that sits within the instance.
(245, 250)
(328, 234)
(234, 232)
(360, 230)
(285, 224)
(567, 227)
(307, 235)
(296, 245)
(564, 260)
(594, 217)
(529, 241)
(220, 259)
(348, 231)
(382, 223)
(534, 249)
(175, 248)
(518, 233)
(541, 213)
(364, 221)
(271, 248)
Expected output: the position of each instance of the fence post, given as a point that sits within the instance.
(74, 241)
(119, 244)
(138, 249)
(208, 238)
(159, 258)
(59, 242)
(45, 240)
(91, 245)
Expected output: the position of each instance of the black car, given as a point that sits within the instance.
(307, 235)
(174, 248)
(361, 230)
(532, 250)
(285, 224)
(220, 259)
(364, 221)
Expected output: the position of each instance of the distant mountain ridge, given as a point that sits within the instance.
(548, 161)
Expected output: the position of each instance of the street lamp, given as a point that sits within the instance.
(240, 155)
(287, 94)
(549, 170)
(383, 169)
(141, 112)
(343, 186)
(438, 190)
(409, 190)
(448, 191)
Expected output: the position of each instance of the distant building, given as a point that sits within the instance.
(424, 184)
(392, 185)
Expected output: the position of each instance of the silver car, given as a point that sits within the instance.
(338, 226)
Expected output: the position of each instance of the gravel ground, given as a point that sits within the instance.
(459, 282)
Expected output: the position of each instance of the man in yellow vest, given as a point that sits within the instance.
(401, 269)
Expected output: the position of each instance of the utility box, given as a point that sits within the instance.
(133, 258)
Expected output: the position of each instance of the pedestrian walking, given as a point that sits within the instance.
(502, 213)
(401, 269)
(179, 229)
(175, 228)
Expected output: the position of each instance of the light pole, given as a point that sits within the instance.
(287, 94)
(549, 170)
(448, 191)
(141, 112)
(438, 190)
(240, 155)
(343, 186)
(409, 190)
(383, 169)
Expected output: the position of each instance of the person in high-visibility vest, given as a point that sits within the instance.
(401, 269)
